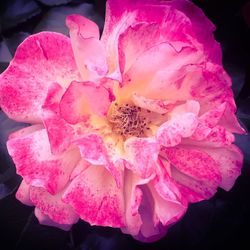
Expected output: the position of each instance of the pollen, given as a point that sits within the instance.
(128, 120)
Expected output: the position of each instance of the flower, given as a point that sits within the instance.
(128, 129)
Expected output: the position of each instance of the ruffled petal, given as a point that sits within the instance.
(201, 29)
(138, 79)
(154, 105)
(95, 151)
(96, 198)
(142, 162)
(170, 133)
(229, 160)
(60, 133)
(80, 100)
(195, 170)
(23, 194)
(53, 206)
(40, 60)
(35, 163)
(45, 220)
(88, 50)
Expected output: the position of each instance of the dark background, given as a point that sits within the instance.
(220, 222)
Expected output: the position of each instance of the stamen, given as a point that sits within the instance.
(128, 120)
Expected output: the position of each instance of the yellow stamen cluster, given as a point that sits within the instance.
(128, 120)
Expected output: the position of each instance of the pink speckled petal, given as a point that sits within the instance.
(229, 160)
(94, 151)
(129, 21)
(170, 133)
(154, 105)
(95, 197)
(60, 133)
(35, 163)
(142, 162)
(23, 194)
(140, 76)
(25, 131)
(40, 60)
(133, 197)
(45, 220)
(198, 172)
(53, 206)
(201, 28)
(80, 100)
(88, 50)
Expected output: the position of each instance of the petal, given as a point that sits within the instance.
(40, 60)
(139, 76)
(25, 131)
(88, 50)
(157, 106)
(23, 194)
(202, 28)
(94, 151)
(142, 162)
(194, 163)
(45, 220)
(35, 163)
(95, 197)
(82, 99)
(170, 133)
(59, 132)
(197, 174)
(229, 160)
(53, 206)
(133, 197)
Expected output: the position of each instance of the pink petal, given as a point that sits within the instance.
(170, 133)
(60, 133)
(133, 197)
(140, 76)
(142, 162)
(201, 27)
(45, 220)
(229, 160)
(35, 163)
(95, 197)
(158, 106)
(53, 206)
(196, 173)
(194, 163)
(40, 60)
(23, 194)
(88, 50)
(80, 100)
(25, 131)
(94, 151)
(169, 206)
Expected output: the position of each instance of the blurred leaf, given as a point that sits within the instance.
(18, 11)
(9, 180)
(5, 55)
(54, 19)
(3, 66)
(54, 2)
(14, 41)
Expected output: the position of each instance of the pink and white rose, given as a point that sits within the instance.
(128, 128)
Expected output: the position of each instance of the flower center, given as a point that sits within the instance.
(128, 120)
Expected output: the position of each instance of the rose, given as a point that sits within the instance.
(126, 130)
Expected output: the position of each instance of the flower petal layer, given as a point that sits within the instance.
(96, 198)
(53, 206)
(142, 162)
(80, 100)
(37, 63)
(88, 50)
(35, 163)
